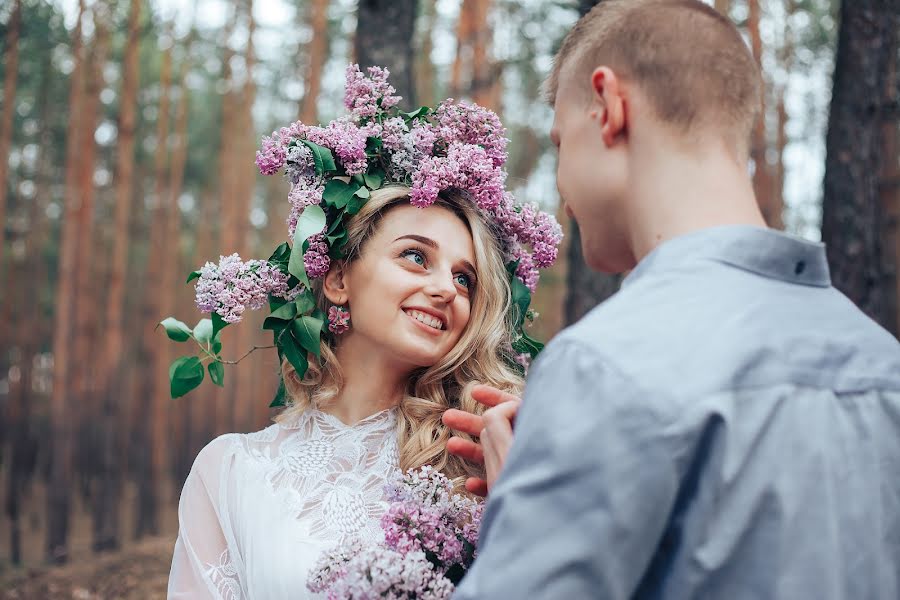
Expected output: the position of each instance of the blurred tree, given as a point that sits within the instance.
(316, 55)
(723, 6)
(107, 500)
(61, 422)
(863, 103)
(384, 37)
(11, 67)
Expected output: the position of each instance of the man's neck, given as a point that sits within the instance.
(371, 383)
(674, 192)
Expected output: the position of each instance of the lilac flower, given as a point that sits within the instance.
(272, 152)
(377, 572)
(467, 167)
(232, 286)
(346, 140)
(316, 259)
(338, 320)
(304, 192)
(469, 123)
(409, 527)
(366, 96)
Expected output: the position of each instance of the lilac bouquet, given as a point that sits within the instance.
(430, 535)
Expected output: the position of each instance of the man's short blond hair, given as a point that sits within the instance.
(689, 61)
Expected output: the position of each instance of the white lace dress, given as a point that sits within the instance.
(257, 510)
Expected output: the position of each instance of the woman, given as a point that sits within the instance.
(418, 305)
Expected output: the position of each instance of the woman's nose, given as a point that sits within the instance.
(440, 285)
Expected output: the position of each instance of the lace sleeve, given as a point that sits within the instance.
(203, 565)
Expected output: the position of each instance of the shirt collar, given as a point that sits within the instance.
(766, 252)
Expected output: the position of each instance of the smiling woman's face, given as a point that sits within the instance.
(410, 291)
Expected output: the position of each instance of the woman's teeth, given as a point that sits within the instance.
(426, 319)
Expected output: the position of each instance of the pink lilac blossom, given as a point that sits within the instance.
(378, 572)
(469, 123)
(346, 140)
(316, 259)
(304, 192)
(338, 320)
(467, 167)
(409, 526)
(232, 286)
(366, 96)
(272, 153)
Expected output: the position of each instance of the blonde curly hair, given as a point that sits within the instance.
(477, 357)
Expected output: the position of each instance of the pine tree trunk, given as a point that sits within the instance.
(786, 59)
(465, 32)
(59, 488)
(723, 6)
(384, 37)
(150, 427)
(863, 101)
(763, 185)
(487, 76)
(107, 500)
(424, 73)
(585, 288)
(11, 67)
(316, 55)
(86, 287)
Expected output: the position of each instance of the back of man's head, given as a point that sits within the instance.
(689, 61)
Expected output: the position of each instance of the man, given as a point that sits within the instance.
(728, 425)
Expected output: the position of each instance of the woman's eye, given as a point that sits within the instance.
(463, 280)
(414, 256)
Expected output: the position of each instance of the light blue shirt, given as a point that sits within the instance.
(726, 427)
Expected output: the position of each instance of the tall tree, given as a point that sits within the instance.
(585, 288)
(863, 101)
(424, 69)
(384, 37)
(316, 55)
(107, 500)
(151, 429)
(763, 185)
(61, 425)
(11, 68)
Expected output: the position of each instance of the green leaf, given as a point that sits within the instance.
(218, 324)
(363, 193)
(217, 344)
(374, 180)
(185, 374)
(422, 111)
(311, 222)
(305, 302)
(203, 332)
(217, 373)
(337, 193)
(520, 297)
(176, 330)
(280, 396)
(322, 157)
(373, 145)
(295, 354)
(355, 205)
(282, 254)
(279, 318)
(194, 275)
(307, 330)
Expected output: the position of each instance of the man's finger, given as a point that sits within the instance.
(477, 486)
(461, 420)
(466, 449)
(491, 396)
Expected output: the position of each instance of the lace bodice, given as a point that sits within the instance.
(258, 509)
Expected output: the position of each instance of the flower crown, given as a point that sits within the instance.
(333, 170)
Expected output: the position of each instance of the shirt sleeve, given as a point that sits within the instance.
(584, 497)
(204, 564)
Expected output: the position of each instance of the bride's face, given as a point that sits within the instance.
(410, 291)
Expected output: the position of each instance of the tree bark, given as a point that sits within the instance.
(316, 55)
(585, 288)
(150, 430)
(424, 74)
(384, 37)
(863, 101)
(107, 500)
(60, 478)
(6, 120)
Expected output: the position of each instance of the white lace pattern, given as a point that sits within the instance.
(258, 509)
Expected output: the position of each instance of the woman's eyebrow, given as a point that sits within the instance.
(433, 244)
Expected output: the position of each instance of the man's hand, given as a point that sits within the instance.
(494, 430)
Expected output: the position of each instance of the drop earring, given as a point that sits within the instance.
(338, 320)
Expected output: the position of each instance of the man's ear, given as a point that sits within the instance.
(608, 93)
(335, 283)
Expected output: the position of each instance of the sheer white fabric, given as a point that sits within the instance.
(257, 510)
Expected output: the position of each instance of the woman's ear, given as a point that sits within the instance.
(335, 283)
